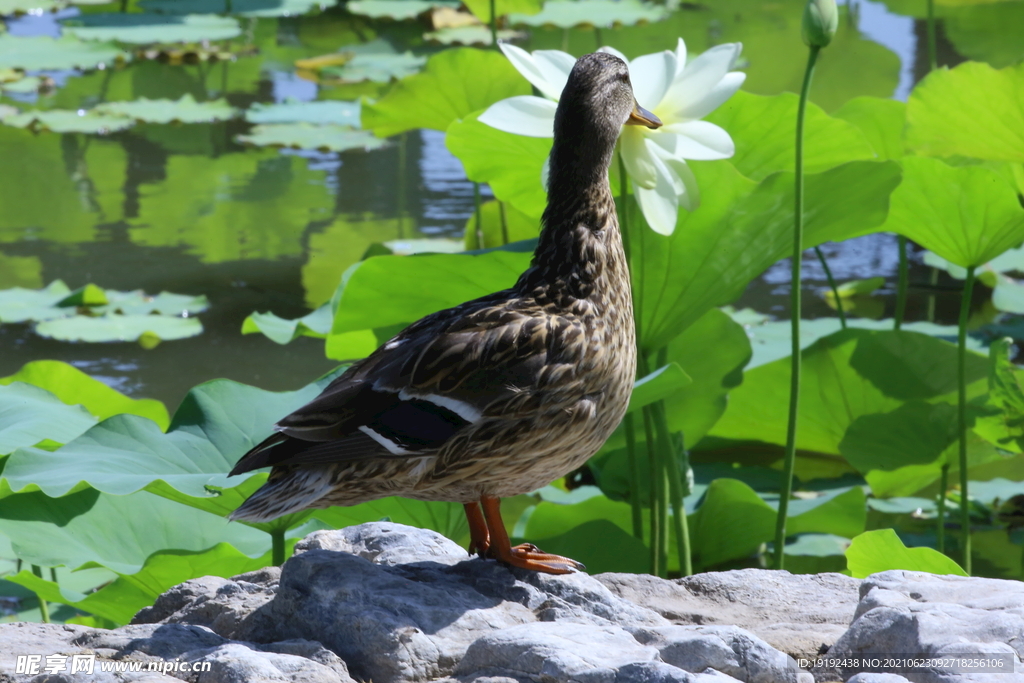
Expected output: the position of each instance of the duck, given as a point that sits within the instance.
(503, 394)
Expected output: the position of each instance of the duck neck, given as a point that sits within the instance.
(580, 244)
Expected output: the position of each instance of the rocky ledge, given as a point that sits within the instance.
(387, 603)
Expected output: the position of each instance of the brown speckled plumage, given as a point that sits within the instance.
(503, 394)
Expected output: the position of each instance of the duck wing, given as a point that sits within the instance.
(431, 381)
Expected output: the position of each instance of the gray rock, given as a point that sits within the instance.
(549, 651)
(915, 614)
(385, 543)
(801, 615)
(877, 678)
(240, 663)
(727, 649)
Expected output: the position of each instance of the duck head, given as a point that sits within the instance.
(596, 102)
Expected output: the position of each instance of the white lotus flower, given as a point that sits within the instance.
(678, 92)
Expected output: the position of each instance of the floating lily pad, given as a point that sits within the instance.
(67, 121)
(9, 7)
(331, 137)
(29, 84)
(20, 305)
(142, 29)
(280, 330)
(377, 67)
(398, 10)
(184, 110)
(469, 35)
(106, 328)
(598, 13)
(243, 8)
(56, 300)
(340, 113)
(66, 52)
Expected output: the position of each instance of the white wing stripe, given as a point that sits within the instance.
(464, 410)
(392, 447)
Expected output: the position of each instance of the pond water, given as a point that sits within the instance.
(187, 208)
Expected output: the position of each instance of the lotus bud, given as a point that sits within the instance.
(821, 18)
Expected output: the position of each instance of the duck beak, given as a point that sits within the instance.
(641, 117)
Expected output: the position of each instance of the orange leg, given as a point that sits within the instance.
(479, 537)
(525, 556)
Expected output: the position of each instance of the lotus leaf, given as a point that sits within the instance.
(183, 110)
(63, 121)
(881, 550)
(19, 271)
(29, 84)
(764, 128)
(388, 290)
(771, 341)
(880, 120)
(1005, 425)
(20, 305)
(660, 384)
(66, 52)
(599, 13)
(375, 61)
(738, 232)
(992, 32)
(816, 553)
(500, 224)
(911, 438)
(11, 7)
(29, 415)
(127, 594)
(470, 35)
(849, 373)
(448, 519)
(242, 8)
(116, 532)
(398, 10)
(215, 425)
(319, 113)
(317, 324)
(712, 351)
(141, 29)
(967, 215)
(482, 8)
(454, 84)
(329, 137)
(146, 329)
(72, 386)
(972, 110)
(510, 164)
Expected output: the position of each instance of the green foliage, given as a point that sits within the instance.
(184, 110)
(66, 52)
(319, 113)
(967, 215)
(454, 84)
(482, 8)
(29, 415)
(881, 122)
(327, 137)
(972, 111)
(881, 550)
(598, 13)
(140, 29)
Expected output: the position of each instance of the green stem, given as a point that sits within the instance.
(277, 547)
(901, 288)
(965, 511)
(44, 609)
(402, 162)
(653, 497)
(504, 222)
(670, 460)
(933, 59)
(832, 285)
(634, 473)
(794, 385)
(933, 280)
(598, 38)
(494, 27)
(479, 213)
(940, 530)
